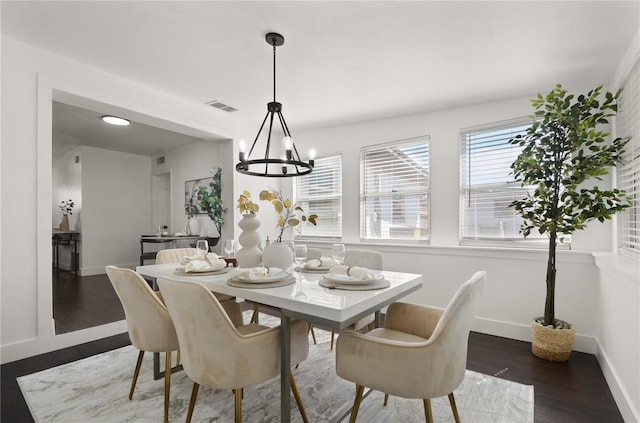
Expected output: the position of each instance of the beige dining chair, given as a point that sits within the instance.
(373, 260)
(149, 324)
(421, 352)
(175, 255)
(217, 354)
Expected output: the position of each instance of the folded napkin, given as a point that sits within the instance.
(197, 263)
(254, 273)
(352, 273)
(322, 262)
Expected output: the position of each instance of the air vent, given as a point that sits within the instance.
(160, 160)
(222, 106)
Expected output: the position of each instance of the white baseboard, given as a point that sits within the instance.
(520, 332)
(92, 271)
(625, 404)
(35, 346)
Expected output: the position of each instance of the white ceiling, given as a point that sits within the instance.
(342, 61)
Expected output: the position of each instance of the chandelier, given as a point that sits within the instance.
(288, 165)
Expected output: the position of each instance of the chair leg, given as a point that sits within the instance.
(136, 373)
(296, 395)
(386, 398)
(452, 401)
(167, 385)
(427, 410)
(238, 405)
(192, 402)
(254, 316)
(356, 403)
(313, 334)
(333, 334)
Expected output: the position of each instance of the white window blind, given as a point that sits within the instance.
(395, 191)
(487, 185)
(320, 192)
(628, 125)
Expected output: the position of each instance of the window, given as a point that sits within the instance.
(320, 192)
(487, 186)
(394, 191)
(628, 125)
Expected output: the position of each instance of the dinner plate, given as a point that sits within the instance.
(346, 280)
(371, 285)
(312, 269)
(253, 285)
(222, 271)
(269, 278)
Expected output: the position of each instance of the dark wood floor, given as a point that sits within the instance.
(574, 391)
(83, 302)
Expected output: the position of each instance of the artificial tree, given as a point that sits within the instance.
(210, 200)
(564, 148)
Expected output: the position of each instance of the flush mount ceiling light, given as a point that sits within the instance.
(114, 120)
(290, 164)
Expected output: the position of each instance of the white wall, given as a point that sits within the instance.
(116, 193)
(66, 182)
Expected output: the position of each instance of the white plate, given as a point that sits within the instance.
(222, 271)
(371, 285)
(253, 285)
(312, 269)
(346, 280)
(269, 278)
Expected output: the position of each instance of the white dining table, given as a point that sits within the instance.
(305, 300)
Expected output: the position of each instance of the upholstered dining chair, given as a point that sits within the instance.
(421, 352)
(373, 260)
(217, 354)
(149, 324)
(175, 255)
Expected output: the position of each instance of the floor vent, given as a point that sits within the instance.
(222, 106)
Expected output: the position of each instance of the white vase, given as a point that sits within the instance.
(249, 255)
(194, 227)
(277, 254)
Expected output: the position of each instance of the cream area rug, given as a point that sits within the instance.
(95, 390)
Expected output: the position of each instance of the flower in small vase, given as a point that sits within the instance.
(245, 205)
(66, 206)
(290, 214)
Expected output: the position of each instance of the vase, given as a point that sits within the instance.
(64, 223)
(277, 254)
(194, 227)
(249, 255)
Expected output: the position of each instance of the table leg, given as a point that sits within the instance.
(285, 368)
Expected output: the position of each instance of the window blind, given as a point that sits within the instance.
(395, 191)
(487, 185)
(628, 125)
(320, 192)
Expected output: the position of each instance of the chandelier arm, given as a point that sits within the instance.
(258, 136)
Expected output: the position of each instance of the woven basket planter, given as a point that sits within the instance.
(550, 343)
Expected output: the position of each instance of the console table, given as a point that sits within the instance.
(65, 238)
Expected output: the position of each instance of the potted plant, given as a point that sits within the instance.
(564, 148)
(66, 206)
(278, 254)
(210, 201)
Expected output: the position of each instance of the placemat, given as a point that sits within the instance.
(380, 284)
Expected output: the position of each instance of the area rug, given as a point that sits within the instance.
(95, 390)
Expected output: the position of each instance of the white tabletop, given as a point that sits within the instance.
(306, 300)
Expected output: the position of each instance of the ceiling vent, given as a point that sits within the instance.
(160, 161)
(222, 106)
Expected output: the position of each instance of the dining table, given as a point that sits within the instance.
(304, 299)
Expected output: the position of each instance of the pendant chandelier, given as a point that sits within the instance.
(290, 164)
